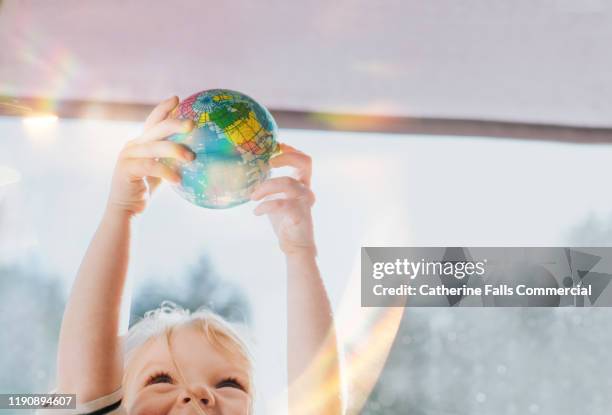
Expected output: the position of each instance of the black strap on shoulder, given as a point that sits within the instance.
(107, 409)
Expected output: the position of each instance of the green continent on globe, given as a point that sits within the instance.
(233, 140)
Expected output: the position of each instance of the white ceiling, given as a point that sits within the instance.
(544, 61)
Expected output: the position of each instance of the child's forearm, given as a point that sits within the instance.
(314, 373)
(89, 354)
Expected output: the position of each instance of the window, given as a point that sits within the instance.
(372, 190)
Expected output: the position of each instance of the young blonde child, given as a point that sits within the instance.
(174, 362)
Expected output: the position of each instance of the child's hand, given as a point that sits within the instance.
(290, 216)
(139, 169)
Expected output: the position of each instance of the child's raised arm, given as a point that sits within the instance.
(313, 363)
(89, 354)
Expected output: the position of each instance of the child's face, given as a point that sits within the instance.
(213, 379)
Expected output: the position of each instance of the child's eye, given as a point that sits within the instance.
(161, 377)
(230, 383)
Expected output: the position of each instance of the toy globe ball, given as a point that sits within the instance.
(233, 140)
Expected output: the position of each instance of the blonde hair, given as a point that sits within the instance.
(230, 337)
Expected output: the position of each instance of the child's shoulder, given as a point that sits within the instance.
(106, 405)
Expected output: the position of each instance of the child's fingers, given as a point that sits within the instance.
(155, 149)
(269, 206)
(300, 161)
(289, 186)
(286, 148)
(161, 112)
(140, 168)
(164, 129)
(290, 208)
(153, 183)
(287, 207)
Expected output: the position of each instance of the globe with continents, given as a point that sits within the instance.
(233, 140)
